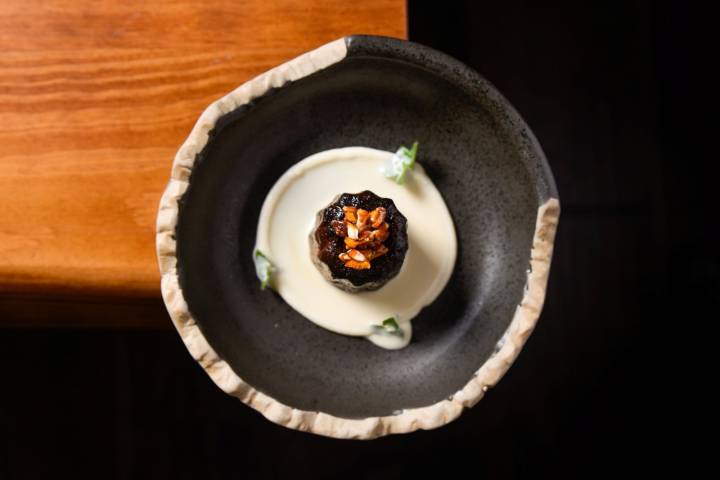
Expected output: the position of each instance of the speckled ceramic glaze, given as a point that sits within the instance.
(384, 93)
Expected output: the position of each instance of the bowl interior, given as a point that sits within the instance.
(475, 153)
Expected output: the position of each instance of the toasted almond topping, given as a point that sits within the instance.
(369, 254)
(363, 242)
(382, 233)
(350, 214)
(377, 216)
(363, 233)
(362, 218)
(356, 255)
(350, 243)
(358, 265)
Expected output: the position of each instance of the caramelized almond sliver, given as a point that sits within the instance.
(350, 215)
(356, 255)
(344, 257)
(351, 243)
(358, 265)
(382, 233)
(352, 231)
(377, 216)
(368, 254)
(362, 218)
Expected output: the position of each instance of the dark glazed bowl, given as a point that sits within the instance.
(381, 93)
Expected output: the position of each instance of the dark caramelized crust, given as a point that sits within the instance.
(328, 244)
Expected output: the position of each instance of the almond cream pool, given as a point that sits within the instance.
(288, 216)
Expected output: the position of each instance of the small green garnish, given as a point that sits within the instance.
(399, 164)
(391, 326)
(263, 268)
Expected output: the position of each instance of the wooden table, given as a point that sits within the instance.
(95, 98)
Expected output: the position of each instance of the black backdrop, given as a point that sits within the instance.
(614, 95)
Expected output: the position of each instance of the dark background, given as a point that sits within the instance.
(613, 93)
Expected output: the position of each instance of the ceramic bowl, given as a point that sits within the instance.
(359, 91)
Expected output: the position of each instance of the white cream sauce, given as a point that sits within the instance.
(288, 216)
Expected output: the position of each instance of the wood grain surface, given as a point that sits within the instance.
(96, 97)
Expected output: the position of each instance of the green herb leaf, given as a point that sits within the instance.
(399, 164)
(263, 268)
(390, 326)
